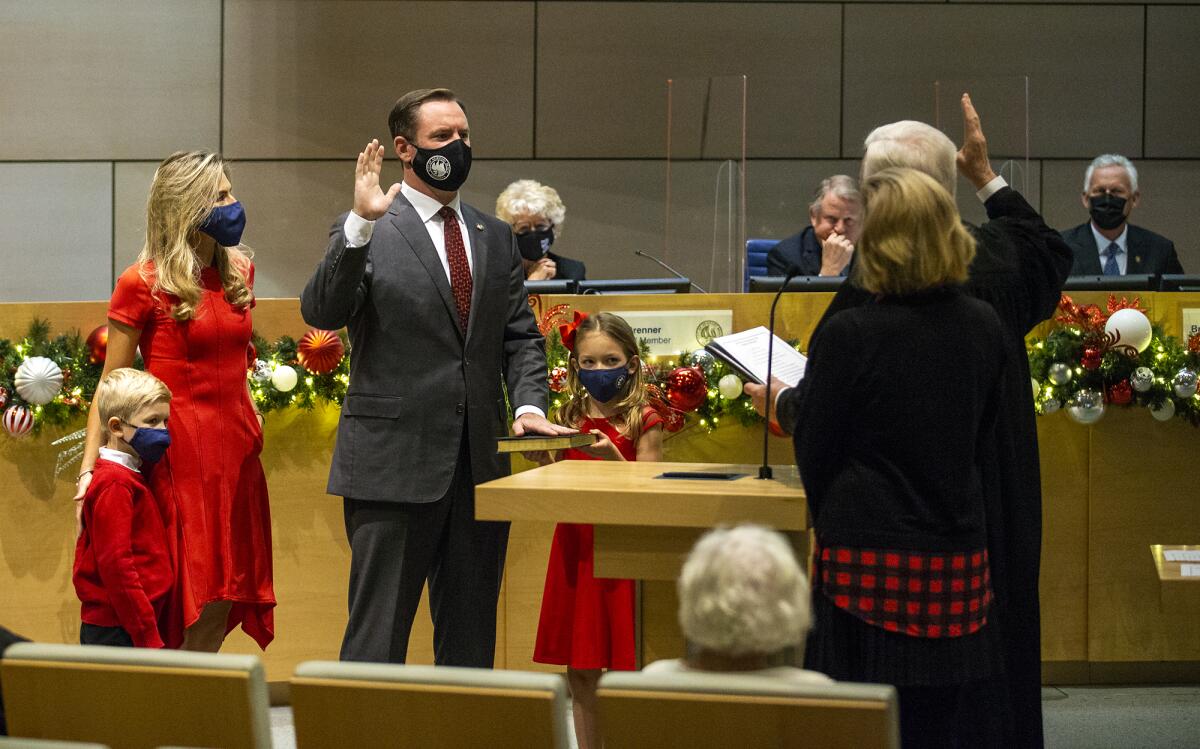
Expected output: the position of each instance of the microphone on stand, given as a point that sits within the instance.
(673, 272)
(764, 471)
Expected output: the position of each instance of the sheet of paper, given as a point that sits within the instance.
(1181, 555)
(750, 348)
(1189, 570)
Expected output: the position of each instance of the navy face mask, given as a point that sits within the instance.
(604, 384)
(225, 224)
(445, 168)
(150, 444)
(535, 243)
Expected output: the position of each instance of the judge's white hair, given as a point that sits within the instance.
(915, 145)
(527, 196)
(1110, 159)
(742, 592)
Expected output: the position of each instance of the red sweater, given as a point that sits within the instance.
(122, 568)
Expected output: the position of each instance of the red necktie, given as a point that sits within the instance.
(460, 272)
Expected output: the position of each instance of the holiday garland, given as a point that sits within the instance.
(1096, 357)
(1092, 358)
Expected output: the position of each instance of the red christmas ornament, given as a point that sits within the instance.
(18, 421)
(3, 397)
(672, 418)
(558, 379)
(320, 351)
(97, 343)
(1120, 394)
(1194, 343)
(1092, 357)
(686, 388)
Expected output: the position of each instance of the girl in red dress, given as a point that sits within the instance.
(186, 302)
(587, 623)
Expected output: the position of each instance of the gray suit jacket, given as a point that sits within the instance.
(416, 383)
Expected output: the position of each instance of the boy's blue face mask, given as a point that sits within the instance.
(604, 384)
(225, 224)
(150, 443)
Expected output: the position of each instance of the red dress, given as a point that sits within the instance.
(587, 622)
(210, 483)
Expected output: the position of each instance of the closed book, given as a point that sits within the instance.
(539, 442)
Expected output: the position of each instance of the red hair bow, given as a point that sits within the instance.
(567, 332)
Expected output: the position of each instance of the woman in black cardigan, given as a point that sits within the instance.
(900, 402)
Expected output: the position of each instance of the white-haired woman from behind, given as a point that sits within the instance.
(536, 214)
(743, 607)
(187, 303)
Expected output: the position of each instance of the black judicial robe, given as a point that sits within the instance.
(1019, 269)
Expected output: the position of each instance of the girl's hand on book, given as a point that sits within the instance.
(603, 447)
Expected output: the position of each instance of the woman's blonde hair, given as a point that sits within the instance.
(912, 236)
(125, 391)
(529, 196)
(633, 397)
(185, 187)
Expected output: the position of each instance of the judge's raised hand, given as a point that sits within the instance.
(973, 162)
(370, 201)
(835, 254)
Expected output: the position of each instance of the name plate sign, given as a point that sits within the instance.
(669, 332)
(1191, 322)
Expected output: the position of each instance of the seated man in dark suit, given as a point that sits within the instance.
(536, 214)
(1108, 244)
(825, 247)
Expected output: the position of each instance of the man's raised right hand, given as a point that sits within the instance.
(370, 201)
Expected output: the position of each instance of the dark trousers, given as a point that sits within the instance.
(91, 634)
(396, 547)
(7, 638)
(966, 716)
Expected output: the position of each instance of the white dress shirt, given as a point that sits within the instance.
(1102, 243)
(358, 232)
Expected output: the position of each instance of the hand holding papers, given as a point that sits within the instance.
(746, 353)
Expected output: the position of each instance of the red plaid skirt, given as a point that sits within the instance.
(916, 593)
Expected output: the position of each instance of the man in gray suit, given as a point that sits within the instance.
(433, 294)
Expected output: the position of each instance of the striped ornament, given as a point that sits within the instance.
(18, 421)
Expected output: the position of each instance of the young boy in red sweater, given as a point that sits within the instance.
(123, 571)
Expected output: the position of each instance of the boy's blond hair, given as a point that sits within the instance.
(125, 391)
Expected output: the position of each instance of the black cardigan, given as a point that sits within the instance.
(899, 407)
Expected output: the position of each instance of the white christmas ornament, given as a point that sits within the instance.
(730, 386)
(38, 380)
(18, 421)
(1036, 387)
(1165, 412)
(284, 378)
(1131, 329)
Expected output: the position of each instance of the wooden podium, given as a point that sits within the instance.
(645, 524)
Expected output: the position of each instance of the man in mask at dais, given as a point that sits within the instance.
(1108, 244)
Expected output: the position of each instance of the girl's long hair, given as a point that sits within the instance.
(185, 187)
(633, 398)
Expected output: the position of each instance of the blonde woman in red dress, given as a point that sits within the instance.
(186, 303)
(586, 623)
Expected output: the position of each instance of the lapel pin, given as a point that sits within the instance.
(479, 227)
